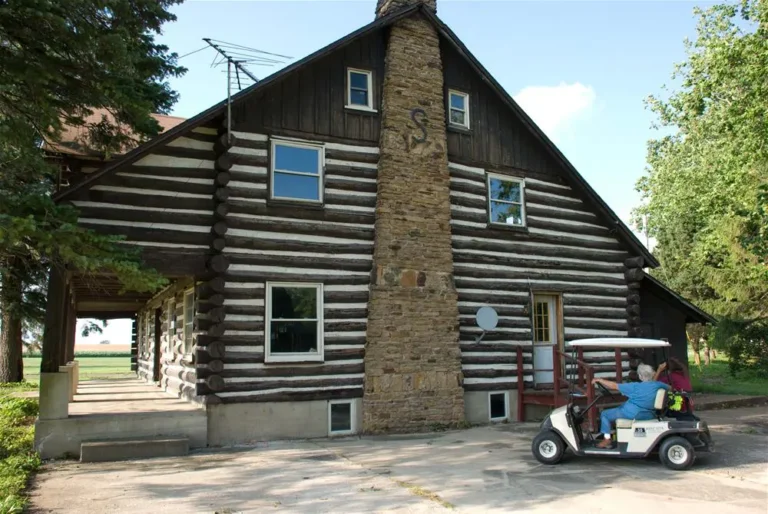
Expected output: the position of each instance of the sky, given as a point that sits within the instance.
(581, 70)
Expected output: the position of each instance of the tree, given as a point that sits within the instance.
(61, 59)
(706, 188)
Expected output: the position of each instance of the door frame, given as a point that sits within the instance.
(558, 319)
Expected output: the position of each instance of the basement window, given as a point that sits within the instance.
(359, 89)
(297, 172)
(458, 109)
(189, 319)
(506, 201)
(294, 322)
(497, 406)
(341, 415)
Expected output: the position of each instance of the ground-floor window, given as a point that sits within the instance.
(341, 416)
(294, 322)
(498, 406)
(189, 319)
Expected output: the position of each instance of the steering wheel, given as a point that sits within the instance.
(604, 390)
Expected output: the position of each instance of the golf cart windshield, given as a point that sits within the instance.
(617, 342)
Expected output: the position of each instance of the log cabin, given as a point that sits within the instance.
(330, 234)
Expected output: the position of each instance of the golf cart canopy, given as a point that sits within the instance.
(618, 342)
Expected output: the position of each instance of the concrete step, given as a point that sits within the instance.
(140, 448)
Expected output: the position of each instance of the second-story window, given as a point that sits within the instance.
(297, 171)
(458, 109)
(506, 202)
(359, 89)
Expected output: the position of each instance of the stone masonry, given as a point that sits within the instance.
(413, 377)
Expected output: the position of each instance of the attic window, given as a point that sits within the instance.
(458, 109)
(359, 89)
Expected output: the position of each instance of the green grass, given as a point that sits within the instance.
(18, 460)
(90, 367)
(716, 378)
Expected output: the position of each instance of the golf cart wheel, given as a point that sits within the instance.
(677, 453)
(548, 448)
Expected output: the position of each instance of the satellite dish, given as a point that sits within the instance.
(487, 319)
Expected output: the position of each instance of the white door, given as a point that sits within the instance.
(544, 338)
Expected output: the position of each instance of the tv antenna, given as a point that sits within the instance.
(238, 58)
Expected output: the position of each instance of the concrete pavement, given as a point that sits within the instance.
(486, 469)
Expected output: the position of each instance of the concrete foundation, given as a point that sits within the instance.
(104, 451)
(477, 407)
(69, 370)
(54, 395)
(75, 375)
(248, 423)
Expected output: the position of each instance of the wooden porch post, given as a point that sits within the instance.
(71, 330)
(54, 322)
(619, 370)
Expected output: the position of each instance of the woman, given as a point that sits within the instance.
(680, 406)
(641, 397)
(676, 375)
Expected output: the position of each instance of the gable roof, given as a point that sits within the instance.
(693, 313)
(624, 233)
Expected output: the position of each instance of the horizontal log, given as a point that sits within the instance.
(215, 383)
(214, 350)
(634, 274)
(172, 171)
(287, 227)
(295, 371)
(153, 235)
(222, 178)
(362, 248)
(499, 241)
(281, 211)
(280, 384)
(634, 285)
(633, 297)
(146, 200)
(218, 264)
(211, 399)
(634, 321)
(633, 310)
(494, 386)
(224, 142)
(222, 194)
(184, 153)
(173, 263)
(590, 312)
(470, 281)
(584, 217)
(346, 155)
(605, 300)
(223, 162)
(221, 210)
(301, 263)
(345, 184)
(214, 366)
(244, 325)
(251, 276)
(575, 277)
(157, 184)
(212, 289)
(220, 228)
(248, 159)
(346, 199)
(144, 215)
(501, 310)
(489, 373)
(493, 359)
(530, 261)
(218, 244)
(502, 323)
(612, 324)
(537, 238)
(634, 262)
(553, 224)
(297, 396)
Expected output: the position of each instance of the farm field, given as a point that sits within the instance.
(93, 365)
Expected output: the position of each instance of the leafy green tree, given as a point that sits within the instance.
(59, 59)
(706, 187)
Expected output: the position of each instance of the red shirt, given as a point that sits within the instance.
(677, 380)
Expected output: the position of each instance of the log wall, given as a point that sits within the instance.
(267, 241)
(566, 249)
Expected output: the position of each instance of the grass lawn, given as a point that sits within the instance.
(18, 460)
(90, 367)
(716, 378)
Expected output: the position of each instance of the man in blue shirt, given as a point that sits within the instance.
(639, 405)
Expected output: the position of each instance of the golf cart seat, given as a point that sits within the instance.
(659, 405)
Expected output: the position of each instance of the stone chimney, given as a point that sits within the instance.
(384, 7)
(413, 378)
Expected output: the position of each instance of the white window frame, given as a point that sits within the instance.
(319, 356)
(369, 75)
(352, 420)
(187, 348)
(464, 125)
(320, 168)
(506, 406)
(505, 178)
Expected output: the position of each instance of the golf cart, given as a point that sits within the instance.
(675, 440)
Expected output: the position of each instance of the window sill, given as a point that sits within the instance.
(512, 228)
(461, 129)
(359, 109)
(286, 202)
(298, 359)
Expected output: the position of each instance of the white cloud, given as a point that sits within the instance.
(554, 108)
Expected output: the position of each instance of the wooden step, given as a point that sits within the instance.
(126, 449)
